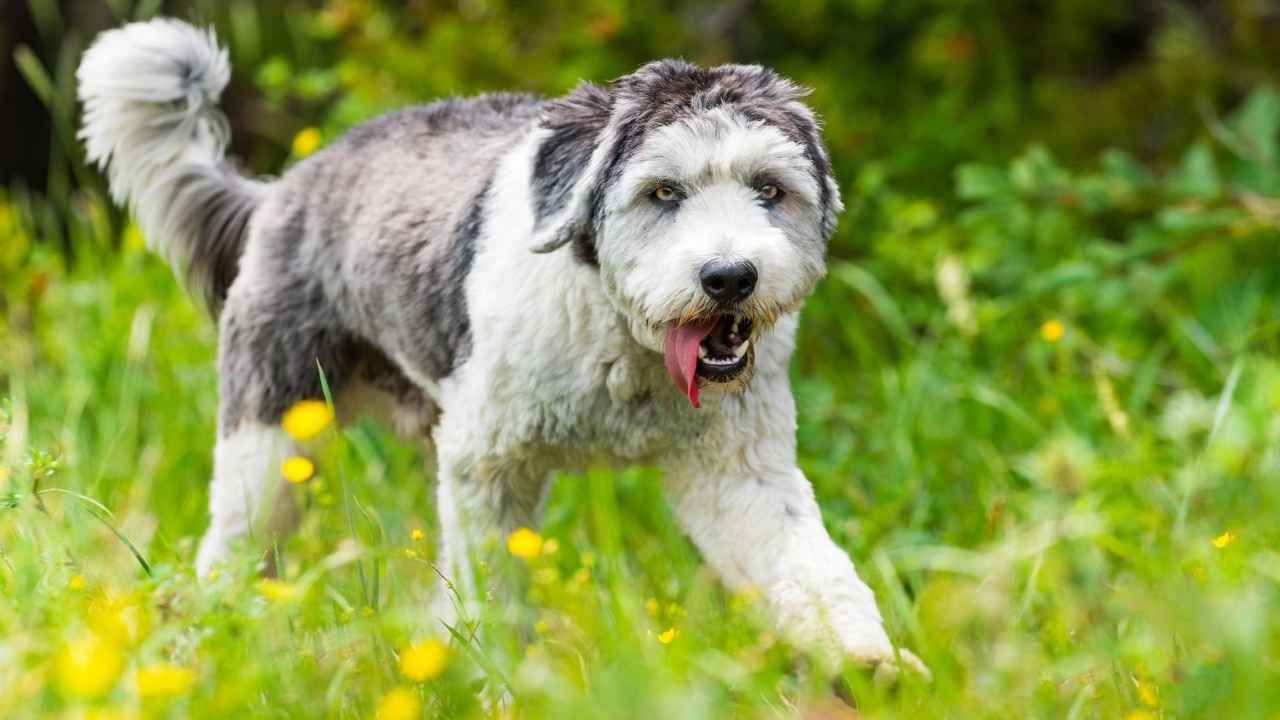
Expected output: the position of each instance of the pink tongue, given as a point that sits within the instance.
(682, 355)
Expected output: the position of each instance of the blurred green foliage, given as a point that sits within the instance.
(1038, 391)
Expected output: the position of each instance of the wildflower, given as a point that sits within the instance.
(4, 475)
(399, 703)
(416, 535)
(213, 575)
(119, 618)
(1052, 330)
(550, 547)
(1139, 715)
(306, 142)
(524, 543)
(666, 636)
(1224, 539)
(277, 591)
(424, 661)
(88, 666)
(367, 611)
(651, 605)
(410, 553)
(163, 679)
(76, 582)
(297, 469)
(306, 419)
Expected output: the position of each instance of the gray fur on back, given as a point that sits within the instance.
(359, 254)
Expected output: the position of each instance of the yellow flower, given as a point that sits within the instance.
(666, 636)
(1139, 715)
(163, 679)
(399, 703)
(1224, 539)
(550, 547)
(276, 590)
(306, 142)
(306, 419)
(410, 553)
(651, 606)
(76, 582)
(1052, 331)
(88, 666)
(4, 475)
(297, 469)
(119, 618)
(416, 535)
(424, 661)
(524, 543)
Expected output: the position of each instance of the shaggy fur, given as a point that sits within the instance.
(501, 277)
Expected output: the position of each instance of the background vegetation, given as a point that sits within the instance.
(1038, 392)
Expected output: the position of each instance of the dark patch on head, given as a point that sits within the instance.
(668, 91)
(575, 122)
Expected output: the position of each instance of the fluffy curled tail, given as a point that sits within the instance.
(149, 91)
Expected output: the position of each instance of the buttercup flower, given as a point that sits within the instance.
(1224, 539)
(306, 419)
(399, 703)
(88, 666)
(276, 590)
(306, 142)
(416, 535)
(424, 660)
(1052, 331)
(163, 679)
(297, 469)
(524, 543)
(666, 636)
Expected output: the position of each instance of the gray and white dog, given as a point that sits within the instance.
(527, 285)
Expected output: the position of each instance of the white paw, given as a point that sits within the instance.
(890, 668)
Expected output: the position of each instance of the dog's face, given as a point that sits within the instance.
(705, 200)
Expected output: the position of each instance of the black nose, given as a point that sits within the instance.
(728, 282)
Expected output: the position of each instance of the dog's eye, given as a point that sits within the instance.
(770, 193)
(666, 194)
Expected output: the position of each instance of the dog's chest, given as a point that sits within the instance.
(596, 404)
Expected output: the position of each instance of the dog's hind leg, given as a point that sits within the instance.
(248, 499)
(275, 339)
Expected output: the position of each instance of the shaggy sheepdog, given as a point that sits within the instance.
(527, 285)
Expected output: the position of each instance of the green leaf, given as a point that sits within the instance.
(35, 75)
(1197, 174)
(1258, 124)
(982, 182)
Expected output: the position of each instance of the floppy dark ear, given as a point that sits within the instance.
(567, 166)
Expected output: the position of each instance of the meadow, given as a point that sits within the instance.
(1039, 400)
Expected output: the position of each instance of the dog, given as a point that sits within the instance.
(526, 285)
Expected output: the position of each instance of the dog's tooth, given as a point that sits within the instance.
(742, 349)
(702, 352)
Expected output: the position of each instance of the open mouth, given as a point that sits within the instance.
(715, 350)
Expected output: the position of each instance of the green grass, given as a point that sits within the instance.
(1037, 516)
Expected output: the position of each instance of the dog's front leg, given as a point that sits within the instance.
(762, 529)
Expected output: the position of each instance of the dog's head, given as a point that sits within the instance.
(704, 196)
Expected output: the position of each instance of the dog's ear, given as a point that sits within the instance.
(568, 166)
